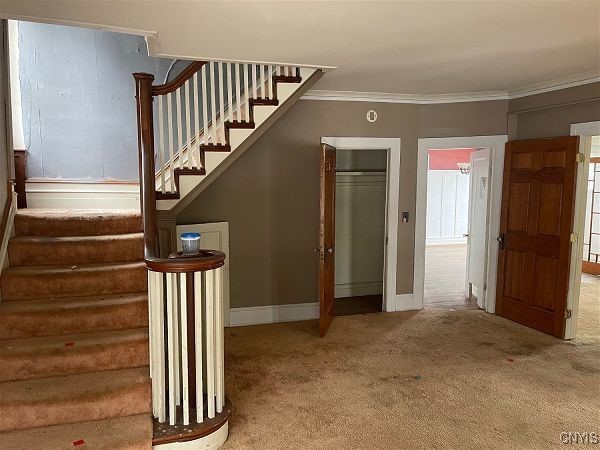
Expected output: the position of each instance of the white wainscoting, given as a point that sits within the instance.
(447, 206)
(76, 195)
(359, 233)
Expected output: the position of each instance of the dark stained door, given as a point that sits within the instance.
(327, 239)
(538, 199)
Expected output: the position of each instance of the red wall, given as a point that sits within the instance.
(447, 159)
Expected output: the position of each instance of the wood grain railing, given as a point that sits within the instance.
(185, 296)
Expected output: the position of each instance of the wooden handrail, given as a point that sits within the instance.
(179, 80)
(208, 259)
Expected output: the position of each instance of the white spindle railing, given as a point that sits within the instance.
(189, 340)
(195, 113)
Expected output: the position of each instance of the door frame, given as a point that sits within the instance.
(496, 145)
(392, 145)
(585, 131)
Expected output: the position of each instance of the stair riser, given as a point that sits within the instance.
(135, 399)
(76, 283)
(100, 317)
(71, 360)
(60, 226)
(32, 253)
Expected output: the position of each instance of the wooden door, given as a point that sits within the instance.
(327, 239)
(538, 199)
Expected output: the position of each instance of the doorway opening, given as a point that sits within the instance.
(360, 218)
(583, 300)
(454, 206)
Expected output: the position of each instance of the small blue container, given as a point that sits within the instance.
(190, 243)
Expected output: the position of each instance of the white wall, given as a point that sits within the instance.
(359, 233)
(447, 206)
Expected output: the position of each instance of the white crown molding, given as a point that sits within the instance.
(419, 99)
(422, 99)
(557, 84)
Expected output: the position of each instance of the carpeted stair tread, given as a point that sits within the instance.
(52, 250)
(67, 354)
(121, 433)
(28, 282)
(74, 398)
(77, 222)
(73, 315)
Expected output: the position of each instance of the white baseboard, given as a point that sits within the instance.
(358, 289)
(404, 302)
(273, 313)
(74, 195)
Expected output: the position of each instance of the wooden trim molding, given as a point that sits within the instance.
(590, 268)
(20, 158)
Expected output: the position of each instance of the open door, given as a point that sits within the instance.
(477, 237)
(538, 200)
(327, 239)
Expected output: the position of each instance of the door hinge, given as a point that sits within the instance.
(573, 237)
(580, 157)
(568, 314)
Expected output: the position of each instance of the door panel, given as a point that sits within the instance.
(536, 222)
(327, 239)
(477, 237)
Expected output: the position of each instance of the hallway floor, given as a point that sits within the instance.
(428, 379)
(445, 275)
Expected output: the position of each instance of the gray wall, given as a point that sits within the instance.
(552, 113)
(270, 196)
(78, 101)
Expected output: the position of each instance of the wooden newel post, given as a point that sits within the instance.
(145, 120)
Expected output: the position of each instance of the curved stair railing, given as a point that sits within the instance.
(179, 123)
(185, 296)
(194, 113)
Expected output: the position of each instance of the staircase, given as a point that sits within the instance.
(74, 333)
(202, 121)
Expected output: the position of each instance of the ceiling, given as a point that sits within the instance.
(405, 47)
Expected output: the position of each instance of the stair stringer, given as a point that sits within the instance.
(240, 140)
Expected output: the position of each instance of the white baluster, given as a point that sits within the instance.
(222, 102)
(220, 381)
(196, 161)
(246, 91)
(184, 349)
(160, 339)
(171, 347)
(179, 128)
(238, 97)
(161, 144)
(198, 338)
(188, 124)
(270, 81)
(254, 82)
(210, 339)
(213, 103)
(177, 340)
(151, 339)
(204, 105)
(229, 93)
(263, 94)
(170, 129)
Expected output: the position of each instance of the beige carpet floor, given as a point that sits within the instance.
(429, 379)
